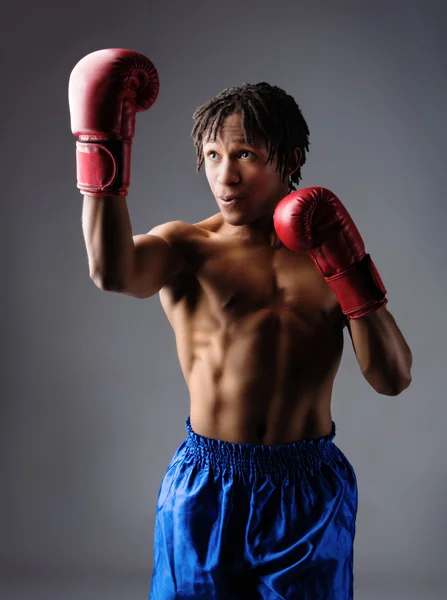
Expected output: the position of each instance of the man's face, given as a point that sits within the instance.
(235, 168)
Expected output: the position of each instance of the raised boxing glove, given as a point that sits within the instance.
(314, 220)
(106, 90)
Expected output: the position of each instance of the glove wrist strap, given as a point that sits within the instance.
(103, 167)
(359, 288)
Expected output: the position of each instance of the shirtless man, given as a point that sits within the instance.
(258, 501)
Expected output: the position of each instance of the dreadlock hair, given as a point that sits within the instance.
(268, 113)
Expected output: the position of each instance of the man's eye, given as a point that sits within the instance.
(211, 154)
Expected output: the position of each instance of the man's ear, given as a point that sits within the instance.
(295, 161)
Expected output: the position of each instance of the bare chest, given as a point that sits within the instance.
(235, 280)
(245, 279)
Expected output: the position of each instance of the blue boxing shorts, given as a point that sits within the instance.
(248, 521)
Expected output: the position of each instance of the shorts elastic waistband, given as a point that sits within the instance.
(252, 459)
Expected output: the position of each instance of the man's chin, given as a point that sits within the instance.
(235, 219)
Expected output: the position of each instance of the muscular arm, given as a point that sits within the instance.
(382, 353)
(136, 266)
(108, 239)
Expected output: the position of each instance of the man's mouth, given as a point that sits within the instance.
(229, 201)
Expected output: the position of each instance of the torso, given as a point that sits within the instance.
(259, 336)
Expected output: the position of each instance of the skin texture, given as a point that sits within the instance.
(259, 332)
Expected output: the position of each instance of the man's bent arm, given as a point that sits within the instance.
(138, 265)
(382, 353)
(108, 239)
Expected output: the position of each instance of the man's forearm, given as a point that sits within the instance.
(382, 353)
(108, 239)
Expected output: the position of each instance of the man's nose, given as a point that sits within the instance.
(228, 173)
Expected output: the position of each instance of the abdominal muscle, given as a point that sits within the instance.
(264, 378)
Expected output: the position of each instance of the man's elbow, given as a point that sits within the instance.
(389, 386)
(397, 388)
(105, 284)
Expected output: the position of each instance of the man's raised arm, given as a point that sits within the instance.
(106, 90)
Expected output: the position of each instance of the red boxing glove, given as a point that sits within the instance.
(314, 220)
(106, 90)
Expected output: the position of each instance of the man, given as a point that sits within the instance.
(258, 501)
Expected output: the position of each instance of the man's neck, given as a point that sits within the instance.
(260, 232)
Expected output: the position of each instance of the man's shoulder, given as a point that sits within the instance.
(179, 231)
(171, 229)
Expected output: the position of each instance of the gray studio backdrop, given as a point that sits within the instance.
(94, 403)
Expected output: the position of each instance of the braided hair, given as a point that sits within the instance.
(268, 113)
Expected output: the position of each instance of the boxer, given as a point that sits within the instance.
(258, 501)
